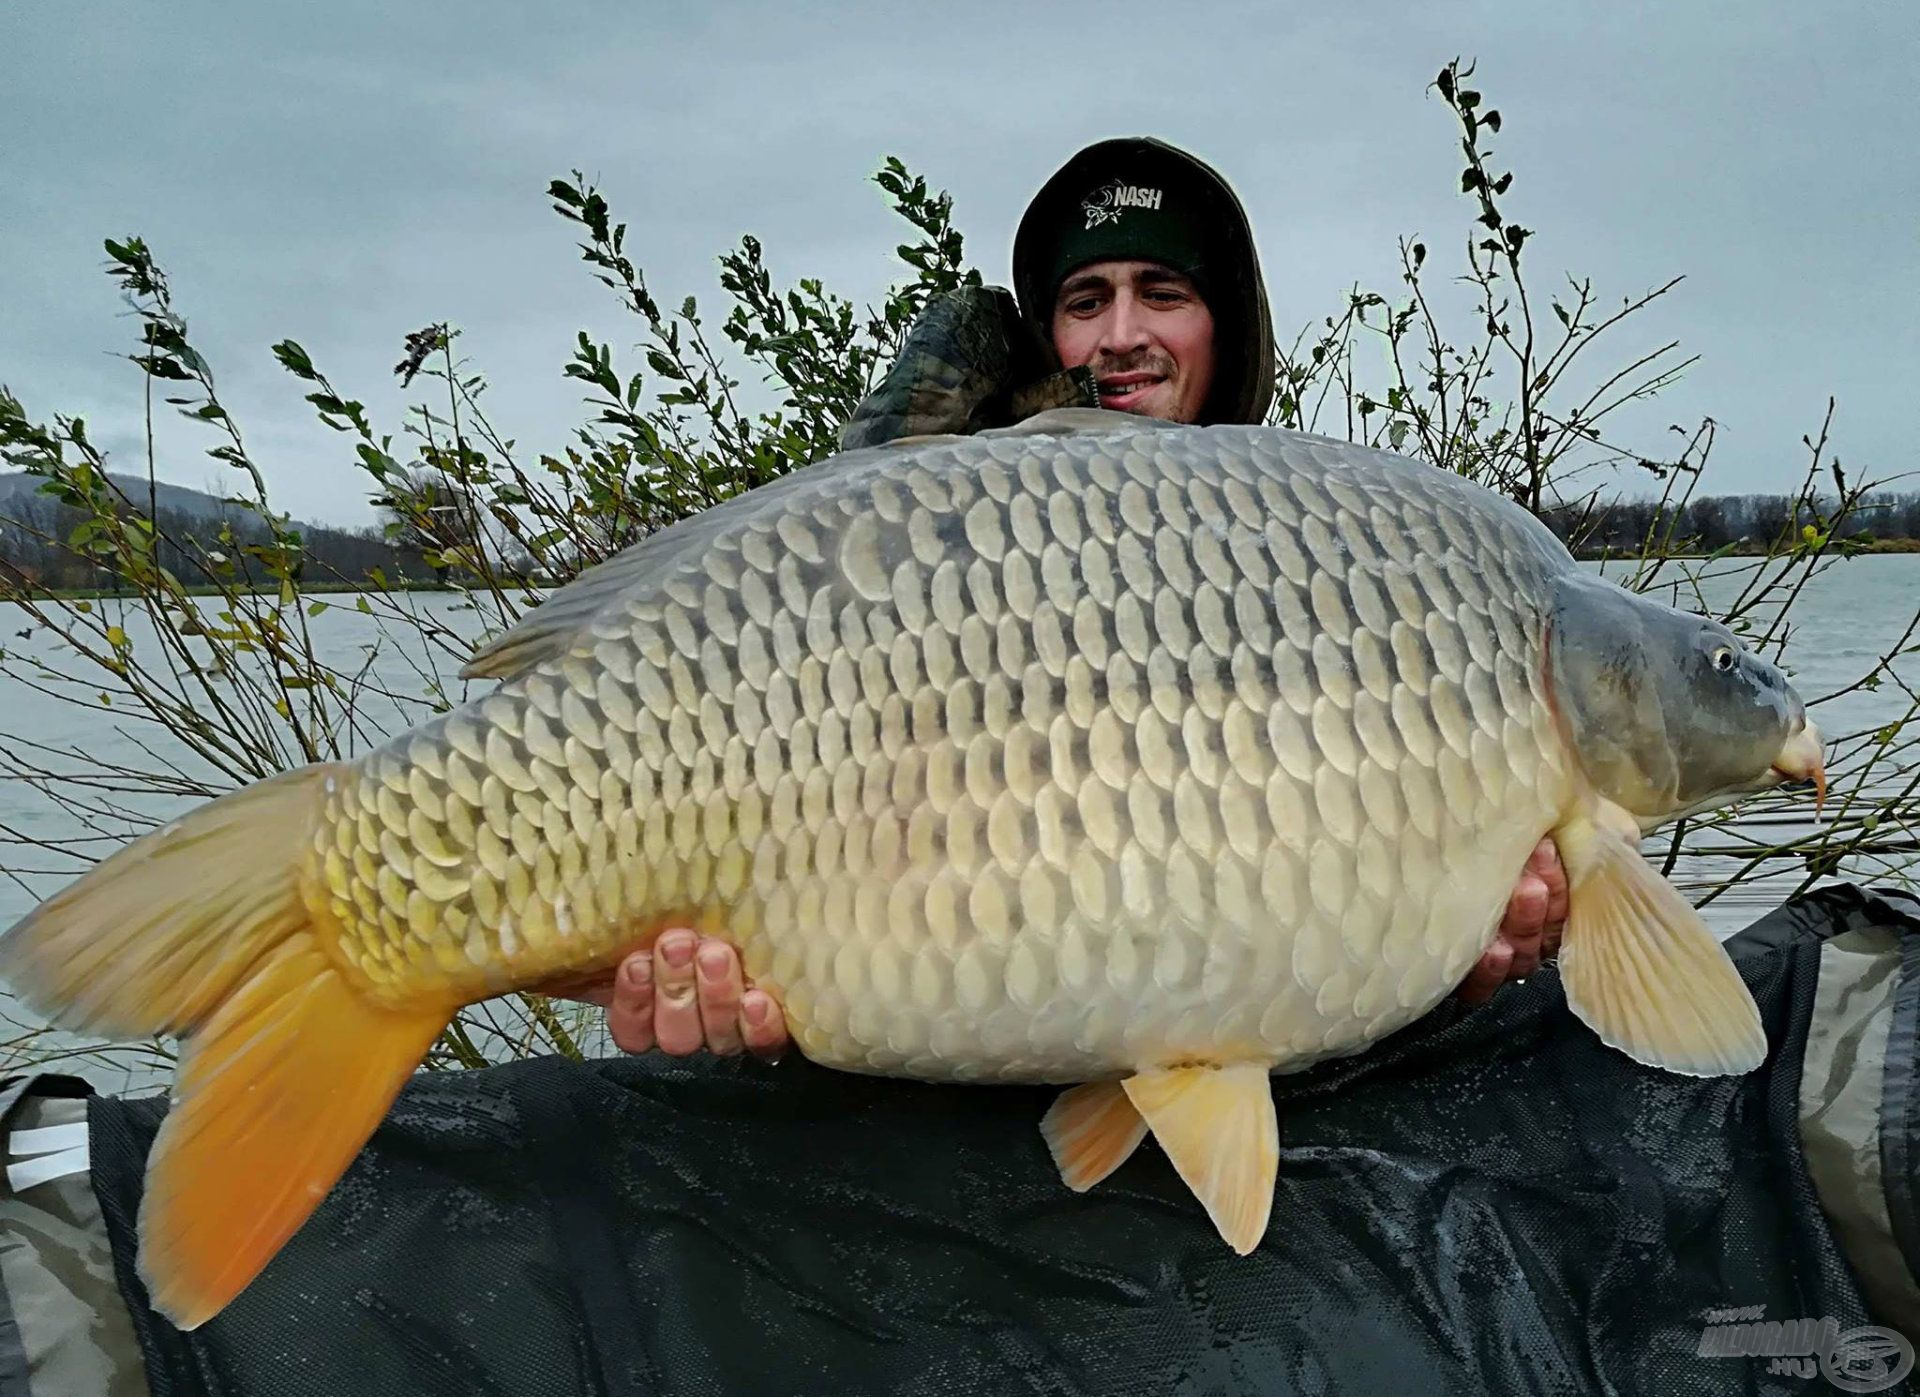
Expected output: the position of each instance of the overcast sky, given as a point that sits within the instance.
(345, 172)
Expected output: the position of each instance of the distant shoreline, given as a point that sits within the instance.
(314, 589)
(1873, 546)
(1850, 550)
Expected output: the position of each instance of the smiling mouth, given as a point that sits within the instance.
(1125, 387)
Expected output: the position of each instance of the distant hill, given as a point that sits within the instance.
(16, 486)
(34, 540)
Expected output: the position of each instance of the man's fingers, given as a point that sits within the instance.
(676, 1011)
(1522, 926)
(1546, 862)
(1526, 954)
(1487, 975)
(688, 993)
(1527, 908)
(762, 1024)
(630, 1015)
(721, 987)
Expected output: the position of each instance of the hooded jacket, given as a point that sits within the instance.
(978, 357)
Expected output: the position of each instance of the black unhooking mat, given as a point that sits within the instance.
(1489, 1202)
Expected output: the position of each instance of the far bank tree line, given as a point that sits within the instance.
(1738, 523)
(209, 543)
(420, 525)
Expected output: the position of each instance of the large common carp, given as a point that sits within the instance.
(1095, 751)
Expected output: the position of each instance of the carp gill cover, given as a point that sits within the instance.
(1145, 760)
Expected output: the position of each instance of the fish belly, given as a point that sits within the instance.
(1043, 758)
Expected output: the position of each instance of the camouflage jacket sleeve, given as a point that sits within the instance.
(968, 363)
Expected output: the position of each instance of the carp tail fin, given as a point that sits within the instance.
(156, 935)
(276, 1093)
(202, 929)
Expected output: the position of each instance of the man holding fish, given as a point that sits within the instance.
(1143, 294)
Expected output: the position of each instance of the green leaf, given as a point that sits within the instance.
(295, 360)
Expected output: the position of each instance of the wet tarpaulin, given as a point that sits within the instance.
(1490, 1201)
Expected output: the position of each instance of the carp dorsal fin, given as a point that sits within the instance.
(1218, 1127)
(550, 629)
(1639, 966)
(1081, 421)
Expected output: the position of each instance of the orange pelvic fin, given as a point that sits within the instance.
(1218, 1127)
(1640, 967)
(1091, 1130)
(276, 1094)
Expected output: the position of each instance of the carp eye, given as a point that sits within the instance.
(1723, 658)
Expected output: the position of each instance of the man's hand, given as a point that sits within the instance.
(1529, 933)
(685, 994)
(688, 992)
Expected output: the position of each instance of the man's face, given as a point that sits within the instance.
(1145, 333)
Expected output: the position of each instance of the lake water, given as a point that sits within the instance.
(1845, 619)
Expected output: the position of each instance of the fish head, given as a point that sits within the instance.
(1669, 712)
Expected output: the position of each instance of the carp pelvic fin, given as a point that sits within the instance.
(1639, 966)
(1218, 1127)
(1090, 1131)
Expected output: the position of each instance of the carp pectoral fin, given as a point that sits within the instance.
(1091, 1130)
(1640, 967)
(276, 1092)
(1217, 1126)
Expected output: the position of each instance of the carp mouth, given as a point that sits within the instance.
(1804, 759)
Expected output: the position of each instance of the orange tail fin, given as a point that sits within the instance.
(277, 1093)
(200, 929)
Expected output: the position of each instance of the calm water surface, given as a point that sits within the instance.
(1846, 618)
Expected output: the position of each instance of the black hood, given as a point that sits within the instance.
(1229, 273)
